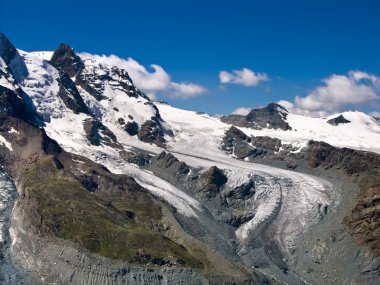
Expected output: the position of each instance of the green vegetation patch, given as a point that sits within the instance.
(117, 222)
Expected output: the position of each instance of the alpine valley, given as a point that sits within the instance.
(101, 185)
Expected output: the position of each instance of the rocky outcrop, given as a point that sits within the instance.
(364, 169)
(141, 159)
(69, 94)
(211, 182)
(151, 132)
(97, 133)
(338, 120)
(167, 166)
(132, 128)
(272, 116)
(13, 104)
(65, 59)
(69, 65)
(94, 78)
(12, 58)
(235, 142)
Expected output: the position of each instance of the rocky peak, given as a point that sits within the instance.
(338, 120)
(12, 58)
(7, 50)
(65, 59)
(211, 181)
(272, 116)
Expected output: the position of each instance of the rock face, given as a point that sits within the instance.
(69, 94)
(131, 128)
(338, 120)
(167, 166)
(151, 132)
(237, 143)
(97, 133)
(12, 58)
(68, 65)
(94, 78)
(364, 167)
(211, 181)
(141, 159)
(64, 58)
(13, 104)
(272, 116)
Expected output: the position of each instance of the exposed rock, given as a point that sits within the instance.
(170, 166)
(94, 78)
(68, 64)
(151, 132)
(364, 223)
(272, 116)
(211, 181)
(271, 144)
(7, 50)
(338, 120)
(237, 220)
(237, 143)
(121, 121)
(12, 58)
(97, 133)
(131, 128)
(65, 59)
(13, 104)
(141, 159)
(69, 94)
(318, 251)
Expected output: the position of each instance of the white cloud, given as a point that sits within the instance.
(294, 110)
(151, 82)
(354, 88)
(375, 114)
(242, 111)
(185, 90)
(245, 77)
(339, 92)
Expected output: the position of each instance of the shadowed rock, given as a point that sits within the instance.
(211, 181)
(64, 58)
(12, 58)
(338, 120)
(151, 132)
(272, 116)
(131, 128)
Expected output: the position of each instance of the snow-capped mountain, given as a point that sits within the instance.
(223, 216)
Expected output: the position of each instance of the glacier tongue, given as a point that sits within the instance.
(198, 144)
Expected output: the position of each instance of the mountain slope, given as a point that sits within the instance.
(123, 187)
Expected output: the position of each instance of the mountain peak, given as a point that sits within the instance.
(273, 107)
(7, 51)
(272, 116)
(65, 59)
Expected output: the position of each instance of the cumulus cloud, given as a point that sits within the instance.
(242, 111)
(185, 90)
(151, 81)
(245, 77)
(337, 93)
(375, 114)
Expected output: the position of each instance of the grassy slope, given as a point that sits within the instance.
(119, 223)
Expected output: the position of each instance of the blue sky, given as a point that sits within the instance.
(295, 44)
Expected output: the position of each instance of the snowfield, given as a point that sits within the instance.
(363, 133)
